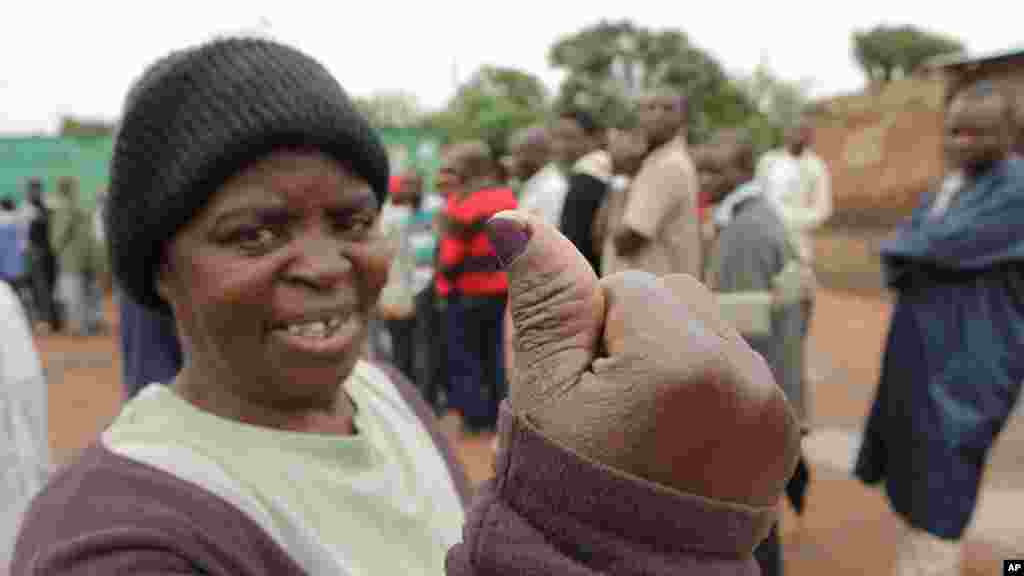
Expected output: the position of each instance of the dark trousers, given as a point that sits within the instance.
(403, 346)
(44, 282)
(430, 352)
(473, 333)
(22, 288)
(769, 554)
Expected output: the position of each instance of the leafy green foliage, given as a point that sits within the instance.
(780, 104)
(391, 109)
(886, 53)
(494, 103)
(609, 64)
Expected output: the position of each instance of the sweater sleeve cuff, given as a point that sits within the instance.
(558, 492)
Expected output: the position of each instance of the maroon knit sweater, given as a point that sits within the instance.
(547, 512)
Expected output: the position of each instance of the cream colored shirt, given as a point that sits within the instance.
(380, 502)
(661, 205)
(800, 187)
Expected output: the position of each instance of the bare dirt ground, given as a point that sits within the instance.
(848, 529)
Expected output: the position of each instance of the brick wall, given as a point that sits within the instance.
(883, 148)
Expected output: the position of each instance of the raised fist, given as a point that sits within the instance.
(639, 373)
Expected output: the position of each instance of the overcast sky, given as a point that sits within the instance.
(80, 57)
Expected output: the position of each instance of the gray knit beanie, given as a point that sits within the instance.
(199, 116)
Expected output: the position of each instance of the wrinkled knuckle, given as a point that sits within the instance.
(546, 308)
(531, 290)
(548, 323)
(537, 331)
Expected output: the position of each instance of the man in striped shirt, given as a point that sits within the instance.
(471, 284)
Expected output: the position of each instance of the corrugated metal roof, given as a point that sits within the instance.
(959, 60)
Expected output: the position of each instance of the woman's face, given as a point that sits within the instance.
(271, 284)
(977, 133)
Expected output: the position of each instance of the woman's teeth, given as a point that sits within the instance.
(318, 329)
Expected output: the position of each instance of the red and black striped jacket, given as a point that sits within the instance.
(467, 265)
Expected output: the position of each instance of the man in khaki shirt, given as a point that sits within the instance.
(658, 228)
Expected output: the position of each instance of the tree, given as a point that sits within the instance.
(391, 109)
(609, 64)
(885, 53)
(491, 105)
(522, 89)
(780, 103)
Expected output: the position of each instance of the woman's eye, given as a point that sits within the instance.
(358, 225)
(365, 222)
(258, 239)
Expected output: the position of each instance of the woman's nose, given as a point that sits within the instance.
(321, 263)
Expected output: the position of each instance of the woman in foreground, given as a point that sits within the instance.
(641, 435)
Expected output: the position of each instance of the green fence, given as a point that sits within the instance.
(417, 149)
(88, 159)
(49, 158)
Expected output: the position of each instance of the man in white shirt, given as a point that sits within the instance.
(544, 185)
(798, 181)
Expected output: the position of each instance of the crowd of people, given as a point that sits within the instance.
(53, 256)
(628, 199)
(624, 311)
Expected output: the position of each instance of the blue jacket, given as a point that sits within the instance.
(150, 350)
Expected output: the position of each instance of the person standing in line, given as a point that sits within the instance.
(42, 260)
(627, 149)
(750, 252)
(582, 146)
(73, 242)
(659, 231)
(798, 180)
(544, 185)
(410, 229)
(952, 368)
(13, 252)
(473, 287)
